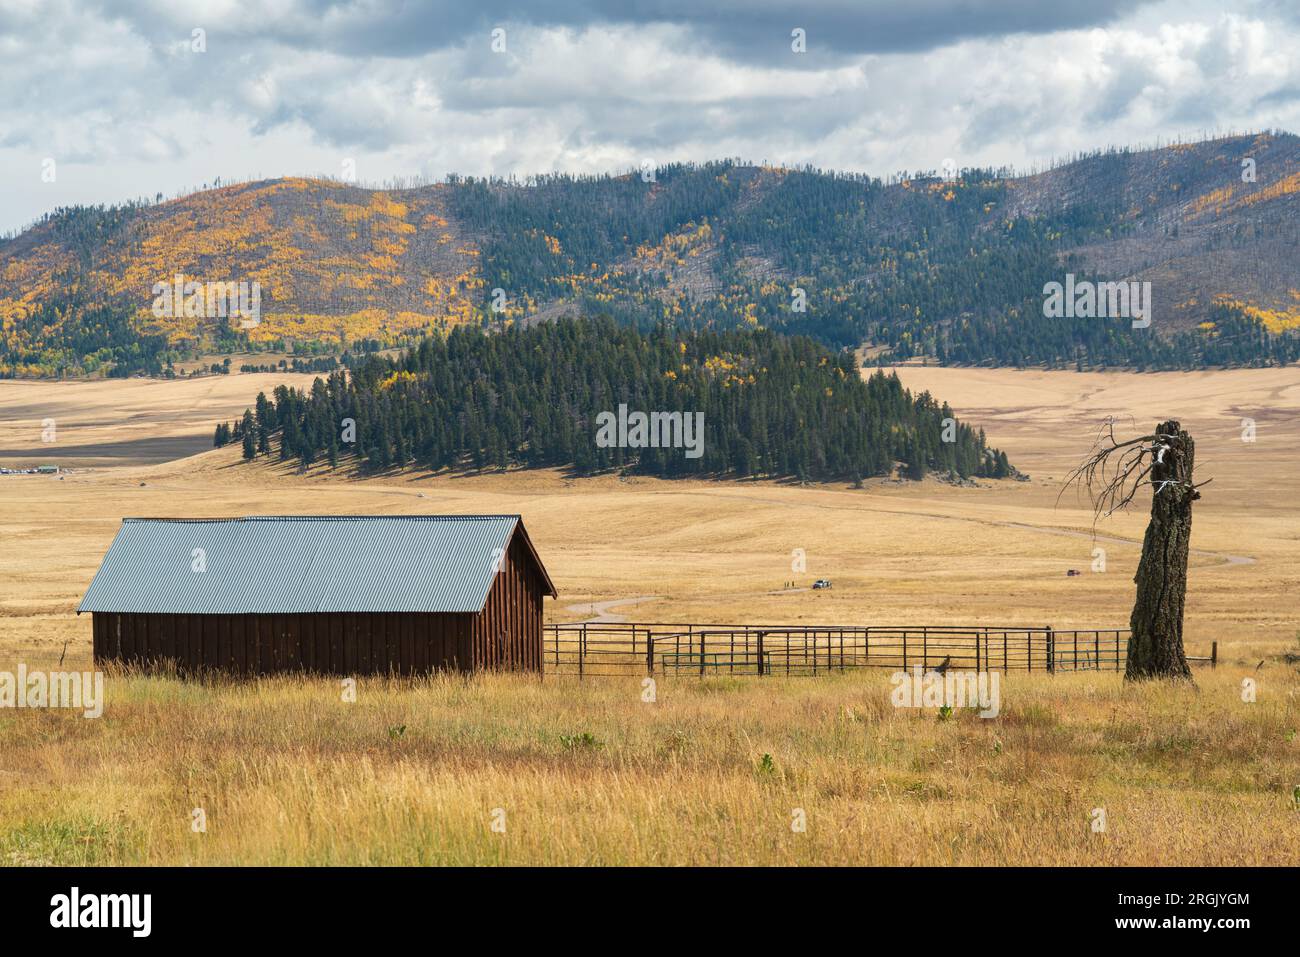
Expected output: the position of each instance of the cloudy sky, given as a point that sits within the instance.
(128, 100)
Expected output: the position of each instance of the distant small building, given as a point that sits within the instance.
(333, 594)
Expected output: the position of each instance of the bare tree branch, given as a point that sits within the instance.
(1114, 471)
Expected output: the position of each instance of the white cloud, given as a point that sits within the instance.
(128, 110)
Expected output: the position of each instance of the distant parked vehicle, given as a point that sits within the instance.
(822, 583)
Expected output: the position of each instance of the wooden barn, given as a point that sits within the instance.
(345, 595)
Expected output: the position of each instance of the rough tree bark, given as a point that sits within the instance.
(1155, 648)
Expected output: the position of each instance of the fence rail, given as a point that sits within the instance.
(635, 648)
(627, 648)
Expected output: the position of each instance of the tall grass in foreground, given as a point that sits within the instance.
(586, 773)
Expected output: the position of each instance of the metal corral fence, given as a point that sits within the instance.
(629, 648)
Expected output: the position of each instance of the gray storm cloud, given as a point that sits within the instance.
(117, 95)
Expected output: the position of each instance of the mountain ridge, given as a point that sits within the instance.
(951, 267)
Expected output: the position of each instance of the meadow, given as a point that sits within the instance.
(714, 770)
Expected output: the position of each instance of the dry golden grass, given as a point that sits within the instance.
(287, 773)
(115, 422)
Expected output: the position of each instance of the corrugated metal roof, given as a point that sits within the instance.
(303, 563)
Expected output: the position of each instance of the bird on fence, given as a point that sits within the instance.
(944, 665)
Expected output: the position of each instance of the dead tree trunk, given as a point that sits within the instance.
(1155, 648)
(1112, 474)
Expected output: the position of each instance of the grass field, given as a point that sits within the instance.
(115, 422)
(287, 773)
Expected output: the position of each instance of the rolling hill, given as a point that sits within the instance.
(946, 266)
(746, 403)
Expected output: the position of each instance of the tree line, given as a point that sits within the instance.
(771, 405)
